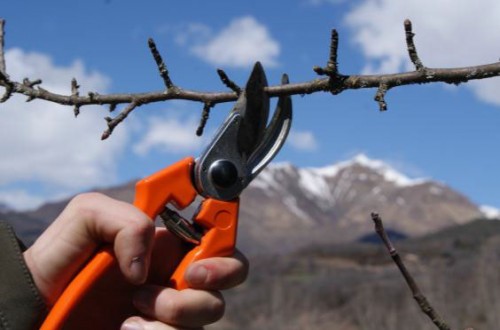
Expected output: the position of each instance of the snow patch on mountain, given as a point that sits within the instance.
(291, 203)
(266, 180)
(314, 181)
(388, 172)
(490, 212)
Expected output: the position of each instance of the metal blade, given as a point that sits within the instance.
(243, 145)
(254, 112)
(275, 135)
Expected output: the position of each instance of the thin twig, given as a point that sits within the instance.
(410, 45)
(331, 68)
(380, 96)
(30, 83)
(421, 300)
(75, 93)
(113, 122)
(8, 85)
(204, 118)
(162, 67)
(334, 45)
(3, 68)
(228, 82)
(4, 77)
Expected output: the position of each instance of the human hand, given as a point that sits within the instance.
(135, 289)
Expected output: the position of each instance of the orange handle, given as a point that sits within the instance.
(170, 185)
(173, 184)
(75, 291)
(221, 221)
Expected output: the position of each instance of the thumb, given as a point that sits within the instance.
(89, 221)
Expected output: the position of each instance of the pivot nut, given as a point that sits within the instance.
(223, 173)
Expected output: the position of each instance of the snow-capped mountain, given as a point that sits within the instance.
(334, 203)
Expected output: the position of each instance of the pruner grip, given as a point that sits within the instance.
(171, 185)
(219, 219)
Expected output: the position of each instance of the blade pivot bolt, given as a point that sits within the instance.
(223, 173)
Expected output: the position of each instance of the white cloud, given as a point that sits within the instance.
(194, 33)
(243, 42)
(303, 140)
(18, 199)
(169, 134)
(43, 143)
(449, 33)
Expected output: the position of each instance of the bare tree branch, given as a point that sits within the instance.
(421, 300)
(335, 83)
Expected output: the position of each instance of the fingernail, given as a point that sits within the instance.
(197, 275)
(138, 270)
(144, 298)
(131, 326)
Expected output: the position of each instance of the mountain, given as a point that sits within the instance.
(4, 207)
(286, 207)
(298, 205)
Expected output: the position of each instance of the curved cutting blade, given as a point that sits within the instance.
(244, 144)
(275, 135)
(254, 112)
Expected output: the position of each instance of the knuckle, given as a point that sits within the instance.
(85, 204)
(141, 225)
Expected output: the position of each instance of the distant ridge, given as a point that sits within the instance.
(287, 207)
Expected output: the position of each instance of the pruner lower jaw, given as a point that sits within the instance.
(243, 146)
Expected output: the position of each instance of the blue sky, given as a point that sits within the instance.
(444, 132)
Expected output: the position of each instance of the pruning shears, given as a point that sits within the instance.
(242, 147)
